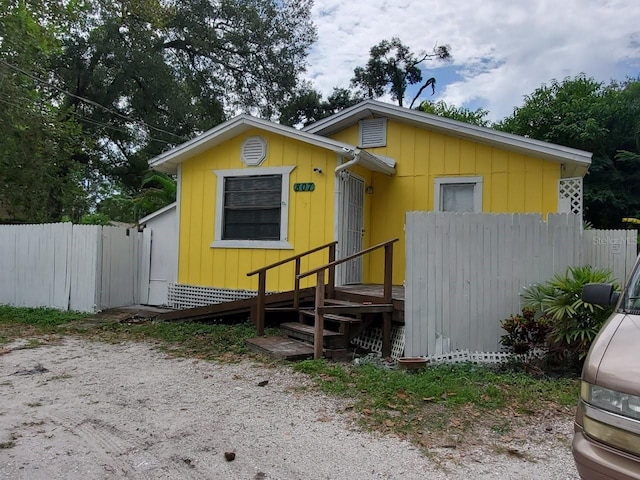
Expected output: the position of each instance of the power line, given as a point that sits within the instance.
(85, 119)
(90, 102)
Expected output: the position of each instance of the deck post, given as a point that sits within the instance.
(262, 286)
(331, 287)
(296, 287)
(386, 334)
(319, 316)
(388, 298)
(388, 273)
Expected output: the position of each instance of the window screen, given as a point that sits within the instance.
(457, 197)
(252, 207)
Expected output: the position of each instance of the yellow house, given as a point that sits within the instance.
(253, 192)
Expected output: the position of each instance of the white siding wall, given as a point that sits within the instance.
(464, 272)
(65, 266)
(160, 256)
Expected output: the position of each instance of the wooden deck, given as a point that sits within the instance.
(372, 290)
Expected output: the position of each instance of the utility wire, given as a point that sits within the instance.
(85, 119)
(86, 100)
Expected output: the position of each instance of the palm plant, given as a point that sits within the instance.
(574, 323)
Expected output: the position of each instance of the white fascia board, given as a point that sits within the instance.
(373, 162)
(157, 213)
(169, 160)
(579, 159)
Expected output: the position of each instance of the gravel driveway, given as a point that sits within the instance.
(83, 410)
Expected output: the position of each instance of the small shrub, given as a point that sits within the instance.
(524, 331)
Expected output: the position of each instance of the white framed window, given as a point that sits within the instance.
(458, 194)
(252, 208)
(373, 132)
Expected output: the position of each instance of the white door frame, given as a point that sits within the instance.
(352, 271)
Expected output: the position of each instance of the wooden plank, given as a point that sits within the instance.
(231, 308)
(280, 347)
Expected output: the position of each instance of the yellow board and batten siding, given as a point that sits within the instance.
(310, 221)
(512, 183)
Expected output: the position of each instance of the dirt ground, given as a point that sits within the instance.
(74, 409)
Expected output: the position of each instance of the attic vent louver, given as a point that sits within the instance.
(254, 151)
(373, 132)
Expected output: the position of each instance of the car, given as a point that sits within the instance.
(606, 442)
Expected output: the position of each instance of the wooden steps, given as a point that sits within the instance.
(306, 333)
(283, 348)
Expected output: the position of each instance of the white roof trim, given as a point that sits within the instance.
(157, 213)
(576, 161)
(169, 160)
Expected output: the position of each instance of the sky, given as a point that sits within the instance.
(502, 49)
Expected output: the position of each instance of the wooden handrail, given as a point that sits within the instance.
(320, 288)
(346, 259)
(262, 281)
(290, 259)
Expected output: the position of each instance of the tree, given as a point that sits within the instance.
(168, 71)
(475, 117)
(132, 78)
(40, 181)
(605, 120)
(307, 106)
(392, 67)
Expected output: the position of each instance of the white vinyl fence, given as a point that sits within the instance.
(465, 272)
(70, 267)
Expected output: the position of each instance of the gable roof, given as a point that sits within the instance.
(168, 161)
(576, 162)
(157, 213)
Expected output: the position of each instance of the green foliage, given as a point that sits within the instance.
(307, 106)
(573, 322)
(525, 331)
(95, 219)
(37, 316)
(93, 89)
(475, 117)
(392, 67)
(605, 120)
(157, 190)
(40, 179)
(439, 399)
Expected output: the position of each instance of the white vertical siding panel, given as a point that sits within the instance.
(7, 264)
(434, 295)
(84, 268)
(467, 271)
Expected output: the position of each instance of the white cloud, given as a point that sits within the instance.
(502, 49)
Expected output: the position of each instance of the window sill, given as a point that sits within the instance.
(256, 244)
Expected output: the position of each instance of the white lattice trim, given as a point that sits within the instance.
(463, 356)
(570, 195)
(372, 340)
(189, 296)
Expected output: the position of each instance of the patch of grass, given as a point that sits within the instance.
(7, 444)
(34, 404)
(19, 322)
(206, 341)
(420, 406)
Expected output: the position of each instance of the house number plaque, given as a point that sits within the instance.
(304, 187)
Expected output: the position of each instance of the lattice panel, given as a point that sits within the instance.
(372, 340)
(570, 195)
(463, 356)
(188, 296)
